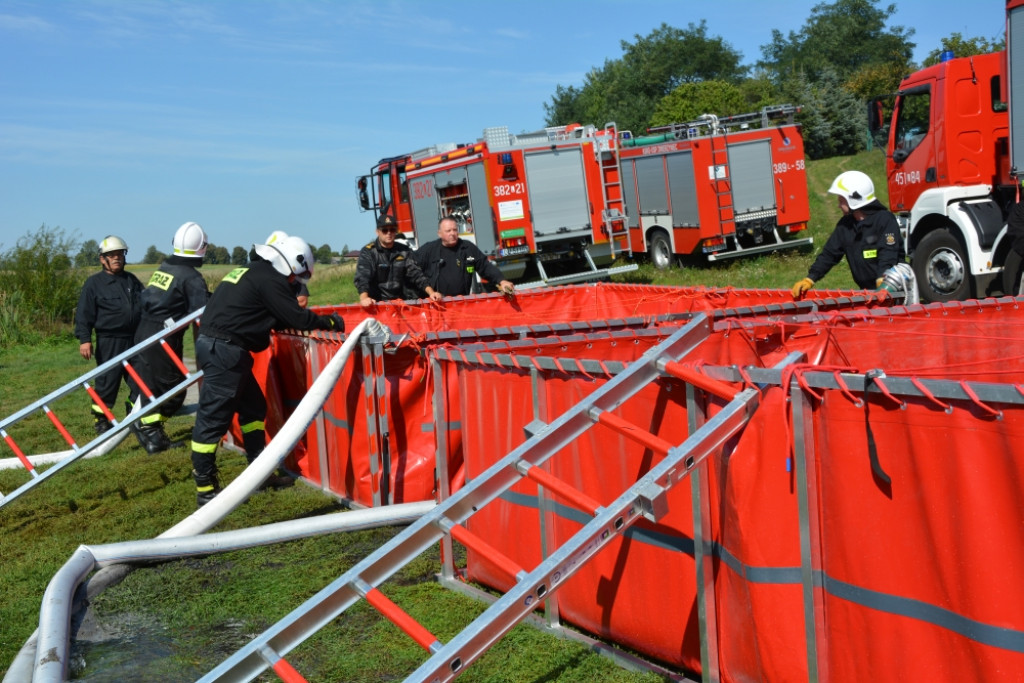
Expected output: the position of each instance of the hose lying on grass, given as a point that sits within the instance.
(44, 657)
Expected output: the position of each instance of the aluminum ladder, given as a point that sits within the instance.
(721, 182)
(613, 215)
(716, 125)
(83, 383)
(446, 522)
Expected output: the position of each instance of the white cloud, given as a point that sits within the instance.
(10, 23)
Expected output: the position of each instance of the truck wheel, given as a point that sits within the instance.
(1012, 269)
(660, 250)
(941, 268)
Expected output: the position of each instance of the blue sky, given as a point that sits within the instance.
(131, 118)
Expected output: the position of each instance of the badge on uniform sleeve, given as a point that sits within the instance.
(890, 239)
(235, 275)
(160, 280)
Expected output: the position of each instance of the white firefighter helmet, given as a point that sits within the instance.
(190, 241)
(276, 236)
(290, 256)
(112, 243)
(856, 187)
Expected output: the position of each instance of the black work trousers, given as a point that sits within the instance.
(156, 368)
(109, 383)
(228, 387)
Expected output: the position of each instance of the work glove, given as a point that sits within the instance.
(801, 287)
(878, 282)
(335, 323)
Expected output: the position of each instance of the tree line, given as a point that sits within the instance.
(89, 254)
(842, 56)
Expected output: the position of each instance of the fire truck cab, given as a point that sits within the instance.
(952, 172)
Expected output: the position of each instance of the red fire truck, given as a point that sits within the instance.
(717, 187)
(559, 203)
(546, 204)
(952, 167)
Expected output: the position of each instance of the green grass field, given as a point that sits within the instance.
(178, 619)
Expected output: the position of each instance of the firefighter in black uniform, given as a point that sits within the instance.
(175, 290)
(249, 302)
(867, 235)
(450, 263)
(385, 270)
(109, 304)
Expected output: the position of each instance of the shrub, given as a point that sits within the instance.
(40, 285)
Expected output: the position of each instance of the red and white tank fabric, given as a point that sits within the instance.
(866, 525)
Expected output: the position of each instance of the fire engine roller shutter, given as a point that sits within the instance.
(558, 194)
(650, 182)
(685, 212)
(750, 166)
(483, 222)
(1014, 36)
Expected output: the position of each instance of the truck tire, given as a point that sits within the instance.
(941, 269)
(1012, 269)
(659, 249)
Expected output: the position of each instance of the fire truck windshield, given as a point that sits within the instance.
(911, 122)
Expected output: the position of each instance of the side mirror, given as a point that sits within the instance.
(876, 115)
(878, 122)
(364, 197)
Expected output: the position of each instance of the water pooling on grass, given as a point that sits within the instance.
(121, 647)
(111, 648)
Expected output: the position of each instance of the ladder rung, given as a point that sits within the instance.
(98, 401)
(474, 542)
(630, 430)
(17, 451)
(174, 357)
(690, 376)
(399, 617)
(559, 487)
(285, 671)
(146, 391)
(60, 427)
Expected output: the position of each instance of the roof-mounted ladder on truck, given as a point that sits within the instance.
(84, 383)
(532, 587)
(718, 125)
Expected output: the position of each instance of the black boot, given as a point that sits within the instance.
(102, 424)
(152, 437)
(276, 480)
(207, 488)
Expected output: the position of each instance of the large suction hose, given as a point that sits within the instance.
(44, 656)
